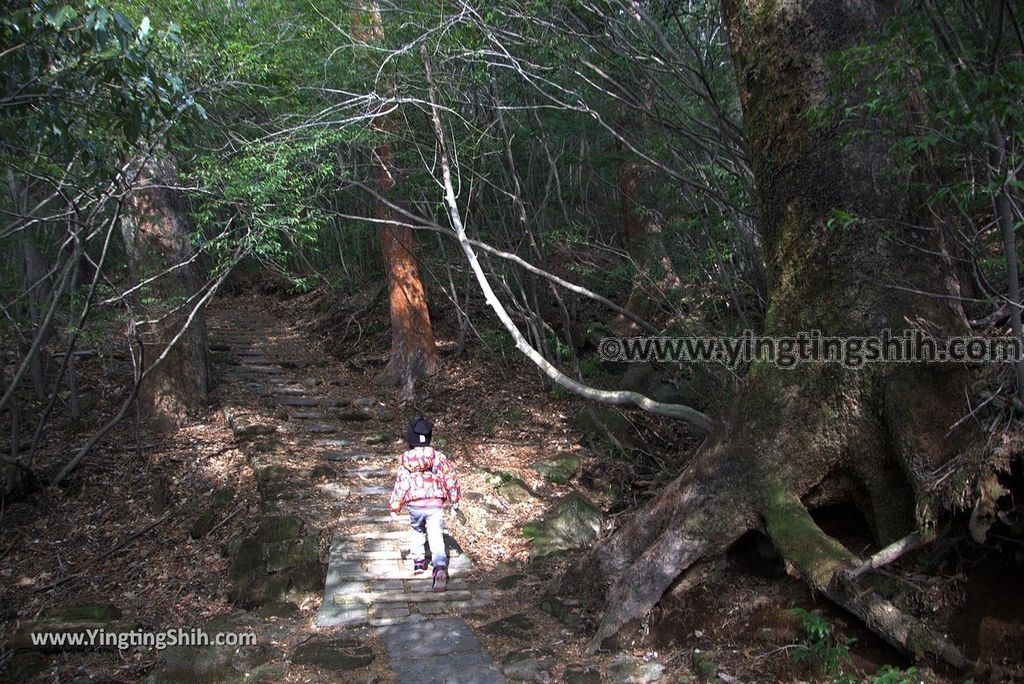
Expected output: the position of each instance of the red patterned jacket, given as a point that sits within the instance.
(424, 474)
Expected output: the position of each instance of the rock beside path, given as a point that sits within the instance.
(559, 469)
(335, 655)
(572, 523)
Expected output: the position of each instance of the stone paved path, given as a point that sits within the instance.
(369, 581)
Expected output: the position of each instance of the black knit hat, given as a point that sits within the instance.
(419, 433)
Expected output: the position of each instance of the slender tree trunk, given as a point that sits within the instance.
(1004, 216)
(155, 229)
(791, 432)
(641, 231)
(413, 350)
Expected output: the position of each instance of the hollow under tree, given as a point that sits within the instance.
(871, 435)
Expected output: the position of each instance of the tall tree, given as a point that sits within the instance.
(155, 228)
(819, 429)
(413, 350)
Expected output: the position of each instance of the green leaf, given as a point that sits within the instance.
(60, 18)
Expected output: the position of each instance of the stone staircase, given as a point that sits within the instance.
(369, 581)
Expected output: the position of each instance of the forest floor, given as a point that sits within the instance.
(81, 544)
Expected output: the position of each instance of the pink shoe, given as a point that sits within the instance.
(440, 582)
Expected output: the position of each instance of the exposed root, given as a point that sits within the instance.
(644, 583)
(825, 564)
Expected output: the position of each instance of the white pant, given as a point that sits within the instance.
(427, 527)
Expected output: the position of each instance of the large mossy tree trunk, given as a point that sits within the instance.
(155, 227)
(870, 435)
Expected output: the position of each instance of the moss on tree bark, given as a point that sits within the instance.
(886, 427)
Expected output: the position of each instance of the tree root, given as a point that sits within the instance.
(646, 580)
(706, 525)
(824, 563)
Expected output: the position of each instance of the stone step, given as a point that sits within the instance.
(353, 584)
(374, 520)
(320, 428)
(354, 554)
(364, 473)
(335, 491)
(372, 490)
(396, 620)
(342, 537)
(352, 512)
(266, 370)
(371, 598)
(344, 554)
(307, 415)
(349, 455)
(333, 442)
(334, 615)
(289, 390)
(298, 401)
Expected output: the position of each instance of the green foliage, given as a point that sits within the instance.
(953, 66)
(889, 674)
(82, 84)
(496, 341)
(831, 655)
(821, 648)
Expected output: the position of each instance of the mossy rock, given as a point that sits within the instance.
(337, 655)
(557, 470)
(518, 625)
(279, 528)
(532, 665)
(265, 673)
(573, 523)
(512, 489)
(627, 669)
(187, 664)
(379, 438)
(561, 610)
(277, 609)
(705, 666)
(577, 676)
(283, 555)
(532, 530)
(80, 619)
(308, 576)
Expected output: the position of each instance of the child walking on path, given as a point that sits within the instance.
(425, 481)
